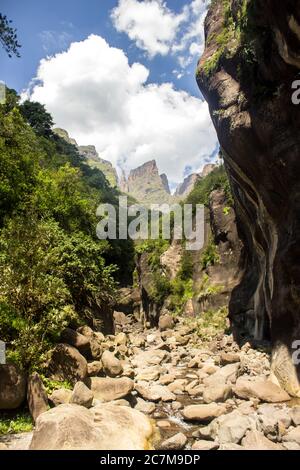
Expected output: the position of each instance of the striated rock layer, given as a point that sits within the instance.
(251, 60)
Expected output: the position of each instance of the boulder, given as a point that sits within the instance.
(230, 428)
(145, 407)
(75, 339)
(217, 394)
(176, 442)
(95, 340)
(94, 368)
(224, 375)
(104, 427)
(154, 392)
(3, 446)
(292, 436)
(229, 358)
(295, 415)
(61, 396)
(149, 358)
(109, 389)
(264, 390)
(255, 440)
(36, 396)
(270, 417)
(12, 387)
(82, 395)
(121, 339)
(166, 322)
(111, 365)
(120, 319)
(149, 374)
(205, 445)
(203, 413)
(67, 363)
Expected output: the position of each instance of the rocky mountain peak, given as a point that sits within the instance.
(146, 185)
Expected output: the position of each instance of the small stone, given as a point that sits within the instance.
(217, 394)
(166, 322)
(229, 358)
(144, 406)
(176, 442)
(163, 424)
(94, 368)
(111, 365)
(176, 406)
(154, 392)
(295, 415)
(82, 395)
(61, 396)
(203, 413)
(167, 379)
(292, 436)
(205, 445)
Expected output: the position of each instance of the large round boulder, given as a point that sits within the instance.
(105, 427)
(67, 363)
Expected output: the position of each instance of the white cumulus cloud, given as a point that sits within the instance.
(150, 23)
(100, 99)
(155, 28)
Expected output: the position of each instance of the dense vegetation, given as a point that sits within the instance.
(217, 179)
(54, 272)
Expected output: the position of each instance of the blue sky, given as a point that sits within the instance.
(164, 38)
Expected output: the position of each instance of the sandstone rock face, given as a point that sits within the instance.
(67, 363)
(12, 387)
(36, 396)
(105, 427)
(107, 389)
(258, 128)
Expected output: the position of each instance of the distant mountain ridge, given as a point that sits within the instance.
(144, 183)
(93, 159)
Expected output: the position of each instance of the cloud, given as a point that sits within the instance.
(157, 29)
(150, 23)
(52, 41)
(190, 44)
(93, 92)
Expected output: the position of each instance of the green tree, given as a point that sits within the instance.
(19, 154)
(38, 118)
(8, 37)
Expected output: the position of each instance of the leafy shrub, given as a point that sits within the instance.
(48, 281)
(210, 255)
(217, 179)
